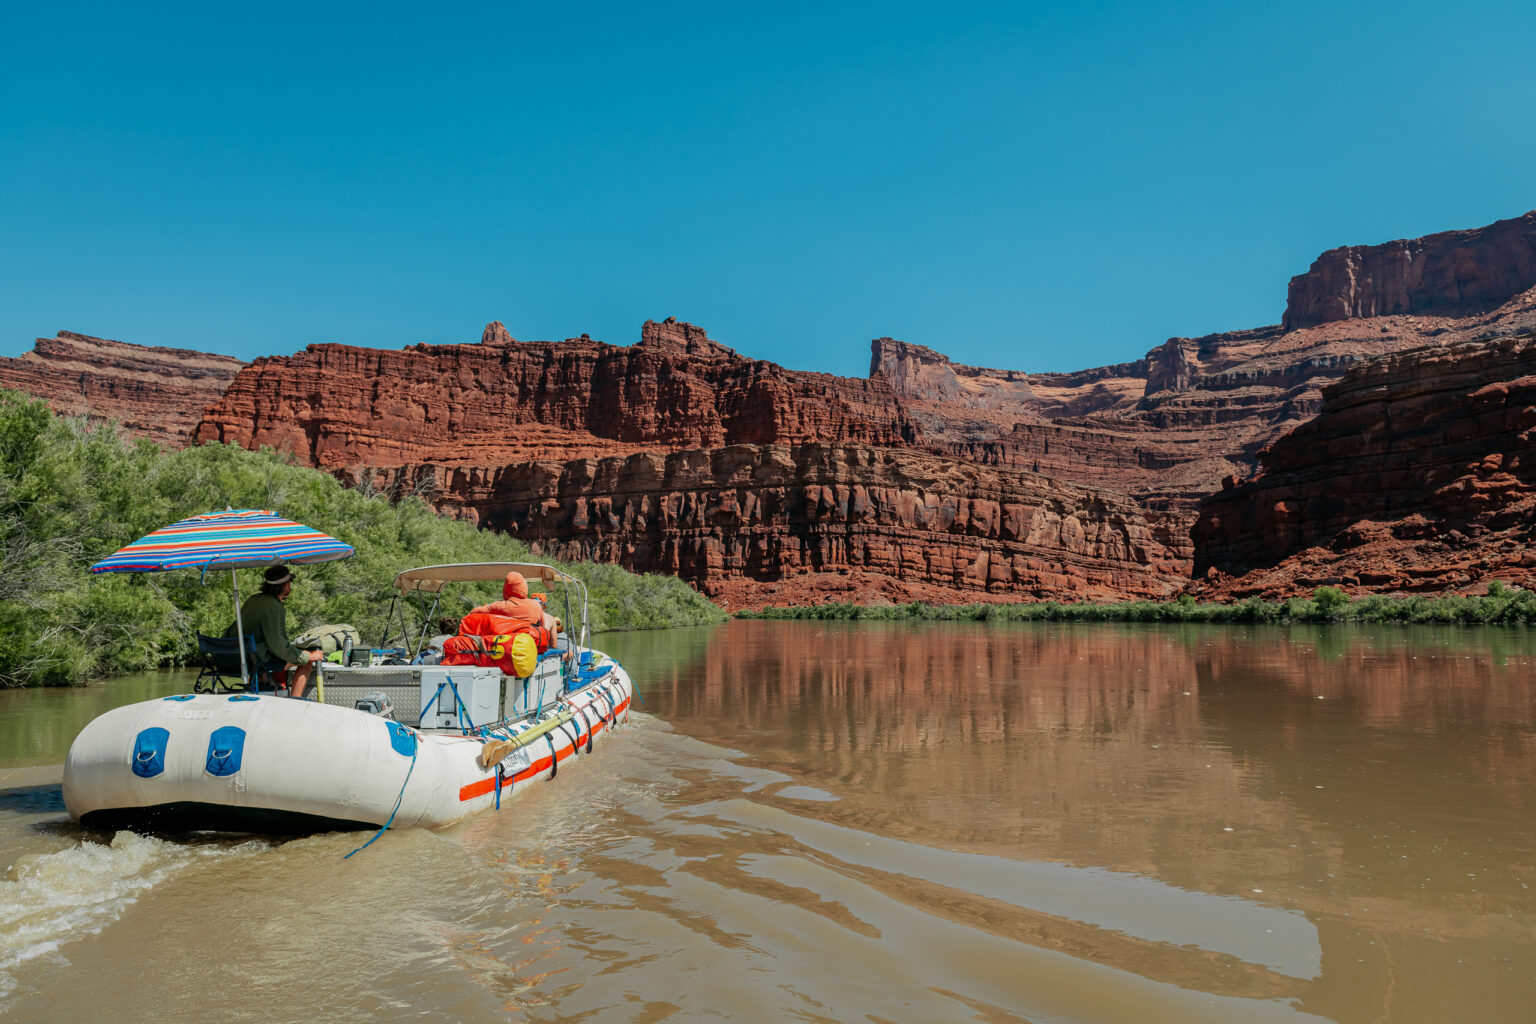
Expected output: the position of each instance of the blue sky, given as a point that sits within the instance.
(1034, 187)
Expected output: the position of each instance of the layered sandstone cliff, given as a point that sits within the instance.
(1453, 271)
(152, 392)
(1419, 473)
(1169, 427)
(645, 445)
(338, 406)
(808, 522)
(534, 438)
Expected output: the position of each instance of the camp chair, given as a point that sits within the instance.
(221, 664)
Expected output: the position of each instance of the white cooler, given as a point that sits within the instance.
(414, 689)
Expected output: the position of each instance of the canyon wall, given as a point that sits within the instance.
(928, 478)
(579, 447)
(1447, 272)
(1419, 474)
(338, 406)
(754, 524)
(629, 454)
(158, 393)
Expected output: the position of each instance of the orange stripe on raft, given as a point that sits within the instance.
(488, 785)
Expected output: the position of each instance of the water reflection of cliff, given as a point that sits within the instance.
(1380, 782)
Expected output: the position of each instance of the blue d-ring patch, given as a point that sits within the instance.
(225, 748)
(149, 752)
(402, 739)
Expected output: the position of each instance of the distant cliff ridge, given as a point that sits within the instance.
(338, 405)
(158, 393)
(1454, 271)
(927, 479)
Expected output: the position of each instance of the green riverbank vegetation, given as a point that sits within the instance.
(1501, 606)
(72, 493)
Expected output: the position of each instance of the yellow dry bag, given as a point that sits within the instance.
(525, 655)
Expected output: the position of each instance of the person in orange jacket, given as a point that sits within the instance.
(516, 604)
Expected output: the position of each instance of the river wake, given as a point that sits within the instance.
(49, 899)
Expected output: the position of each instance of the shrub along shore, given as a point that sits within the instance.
(1501, 606)
(72, 493)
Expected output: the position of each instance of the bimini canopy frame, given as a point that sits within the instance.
(430, 579)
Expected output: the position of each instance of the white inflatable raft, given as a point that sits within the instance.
(397, 745)
(250, 763)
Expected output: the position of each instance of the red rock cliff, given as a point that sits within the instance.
(1419, 473)
(678, 454)
(807, 522)
(1453, 271)
(340, 406)
(158, 393)
(532, 437)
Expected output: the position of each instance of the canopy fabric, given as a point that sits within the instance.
(430, 578)
(241, 538)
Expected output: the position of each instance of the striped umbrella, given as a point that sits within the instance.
(237, 538)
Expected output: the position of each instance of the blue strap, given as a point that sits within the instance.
(421, 718)
(634, 689)
(399, 798)
(459, 702)
(458, 706)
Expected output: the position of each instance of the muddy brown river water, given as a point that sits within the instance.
(866, 822)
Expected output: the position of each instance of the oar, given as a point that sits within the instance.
(495, 751)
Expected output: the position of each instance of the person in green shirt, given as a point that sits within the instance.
(264, 616)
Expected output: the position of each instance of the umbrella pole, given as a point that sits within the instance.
(245, 675)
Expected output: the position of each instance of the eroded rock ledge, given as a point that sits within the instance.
(1449, 272)
(1419, 474)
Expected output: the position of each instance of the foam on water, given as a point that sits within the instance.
(50, 898)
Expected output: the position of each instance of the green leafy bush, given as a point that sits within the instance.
(1330, 601)
(71, 494)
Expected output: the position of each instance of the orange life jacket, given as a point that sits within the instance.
(489, 620)
(523, 609)
(516, 616)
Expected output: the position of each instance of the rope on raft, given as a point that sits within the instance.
(398, 798)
